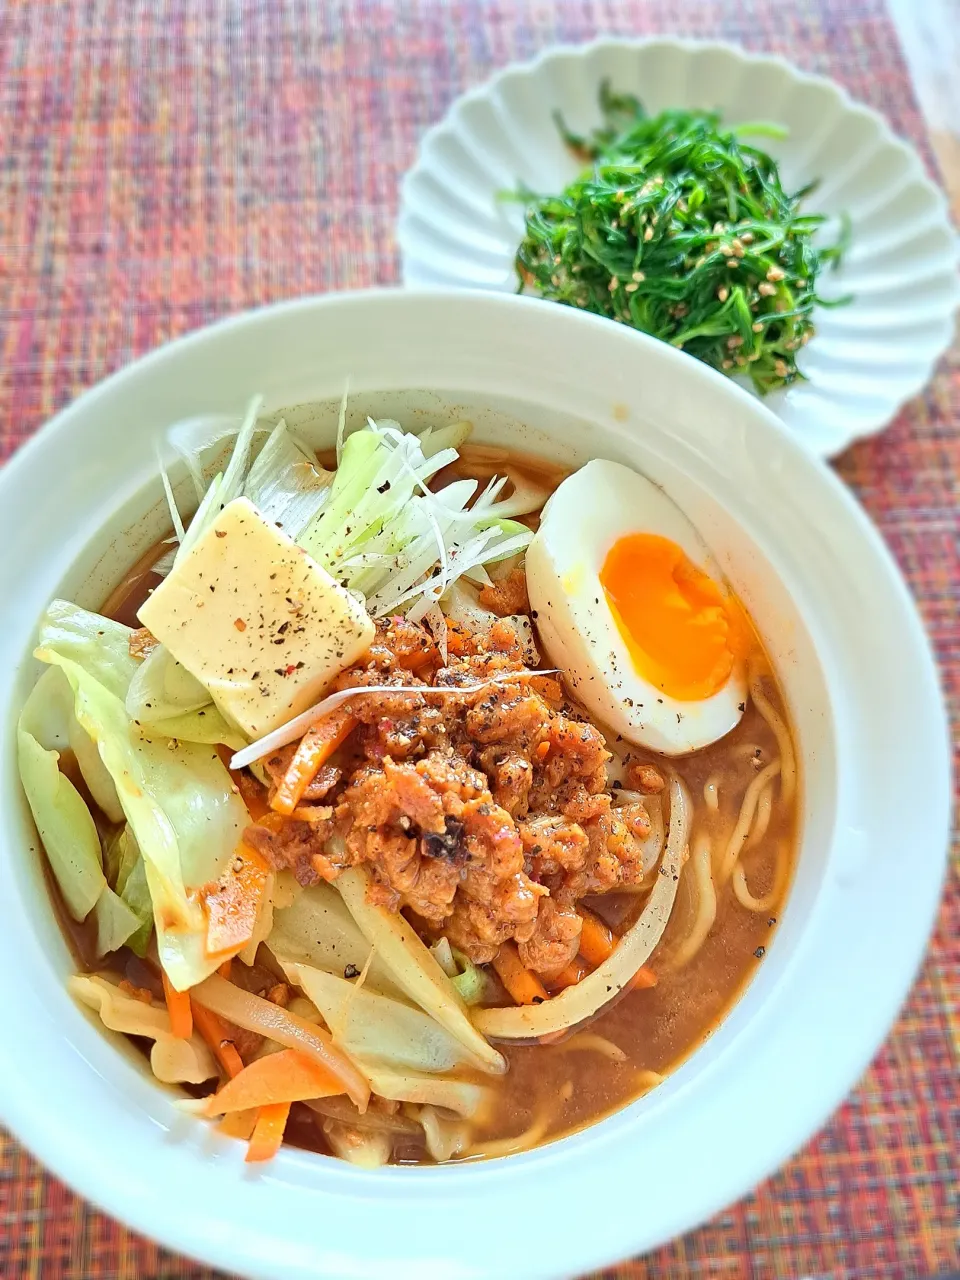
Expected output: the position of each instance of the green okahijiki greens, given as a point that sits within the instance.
(681, 229)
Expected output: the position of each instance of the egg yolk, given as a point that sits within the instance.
(681, 630)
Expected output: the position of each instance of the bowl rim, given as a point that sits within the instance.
(93, 1174)
(916, 171)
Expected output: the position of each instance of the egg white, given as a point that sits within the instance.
(585, 516)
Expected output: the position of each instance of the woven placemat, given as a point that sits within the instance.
(164, 164)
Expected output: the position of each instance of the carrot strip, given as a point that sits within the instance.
(525, 987)
(178, 1006)
(238, 1124)
(541, 751)
(234, 904)
(596, 940)
(268, 1132)
(575, 972)
(286, 1028)
(642, 980)
(316, 747)
(286, 1076)
(214, 1032)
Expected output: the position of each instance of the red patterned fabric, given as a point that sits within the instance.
(163, 164)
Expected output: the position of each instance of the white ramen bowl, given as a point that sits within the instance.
(82, 500)
(866, 359)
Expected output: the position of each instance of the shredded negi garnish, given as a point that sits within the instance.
(682, 230)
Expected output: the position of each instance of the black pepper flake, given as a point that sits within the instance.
(760, 952)
(384, 488)
(351, 971)
(741, 707)
(772, 921)
(221, 533)
(617, 784)
(539, 999)
(447, 844)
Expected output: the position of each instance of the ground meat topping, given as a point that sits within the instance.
(486, 815)
(644, 777)
(508, 596)
(141, 643)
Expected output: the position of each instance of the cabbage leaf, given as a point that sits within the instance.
(414, 968)
(317, 929)
(376, 1028)
(165, 700)
(177, 796)
(63, 820)
(172, 1060)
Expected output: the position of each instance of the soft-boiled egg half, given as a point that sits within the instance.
(633, 610)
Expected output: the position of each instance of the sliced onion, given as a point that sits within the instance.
(256, 1014)
(575, 1004)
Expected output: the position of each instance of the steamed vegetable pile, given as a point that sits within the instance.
(683, 230)
(271, 591)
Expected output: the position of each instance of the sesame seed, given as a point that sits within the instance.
(648, 234)
(736, 244)
(631, 288)
(726, 250)
(723, 293)
(639, 276)
(734, 342)
(766, 290)
(775, 274)
(757, 327)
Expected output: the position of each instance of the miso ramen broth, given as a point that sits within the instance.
(741, 794)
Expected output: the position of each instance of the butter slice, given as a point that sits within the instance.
(256, 620)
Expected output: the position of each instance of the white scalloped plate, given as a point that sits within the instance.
(866, 359)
